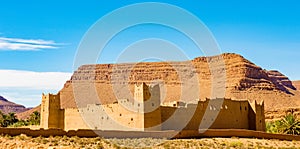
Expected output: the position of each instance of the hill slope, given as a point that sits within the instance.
(7, 106)
(26, 114)
(297, 84)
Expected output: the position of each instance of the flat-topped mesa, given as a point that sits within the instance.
(241, 76)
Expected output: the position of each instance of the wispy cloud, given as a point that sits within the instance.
(26, 44)
(33, 80)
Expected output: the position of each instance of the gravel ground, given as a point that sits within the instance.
(23, 141)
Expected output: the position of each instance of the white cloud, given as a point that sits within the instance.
(26, 44)
(33, 80)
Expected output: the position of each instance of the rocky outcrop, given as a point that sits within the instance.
(7, 106)
(296, 84)
(242, 80)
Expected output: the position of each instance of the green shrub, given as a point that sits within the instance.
(10, 120)
(289, 124)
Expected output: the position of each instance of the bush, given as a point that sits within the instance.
(287, 125)
(7, 120)
(10, 120)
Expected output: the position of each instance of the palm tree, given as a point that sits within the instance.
(11, 118)
(34, 118)
(2, 119)
(289, 125)
(6, 120)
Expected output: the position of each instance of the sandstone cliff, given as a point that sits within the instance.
(243, 80)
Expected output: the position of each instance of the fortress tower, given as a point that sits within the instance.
(51, 114)
(148, 100)
(141, 92)
(257, 116)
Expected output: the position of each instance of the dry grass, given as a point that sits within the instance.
(227, 143)
(64, 142)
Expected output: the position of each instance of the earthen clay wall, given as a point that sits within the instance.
(153, 134)
(214, 115)
(146, 114)
(73, 120)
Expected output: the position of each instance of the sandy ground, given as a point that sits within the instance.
(23, 141)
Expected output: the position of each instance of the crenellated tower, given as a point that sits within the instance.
(257, 116)
(147, 99)
(51, 114)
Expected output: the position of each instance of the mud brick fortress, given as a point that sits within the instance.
(147, 113)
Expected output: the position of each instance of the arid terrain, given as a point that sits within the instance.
(243, 80)
(23, 141)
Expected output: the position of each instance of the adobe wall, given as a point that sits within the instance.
(104, 117)
(230, 114)
(146, 134)
(146, 114)
(152, 120)
(142, 114)
(116, 117)
(111, 117)
(73, 120)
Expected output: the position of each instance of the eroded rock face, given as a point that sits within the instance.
(296, 84)
(242, 80)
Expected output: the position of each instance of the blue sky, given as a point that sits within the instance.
(265, 32)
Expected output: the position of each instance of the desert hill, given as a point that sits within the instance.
(7, 106)
(26, 114)
(243, 80)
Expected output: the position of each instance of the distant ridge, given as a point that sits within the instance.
(3, 99)
(7, 106)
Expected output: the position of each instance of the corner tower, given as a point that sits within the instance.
(51, 114)
(141, 92)
(257, 116)
(148, 100)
